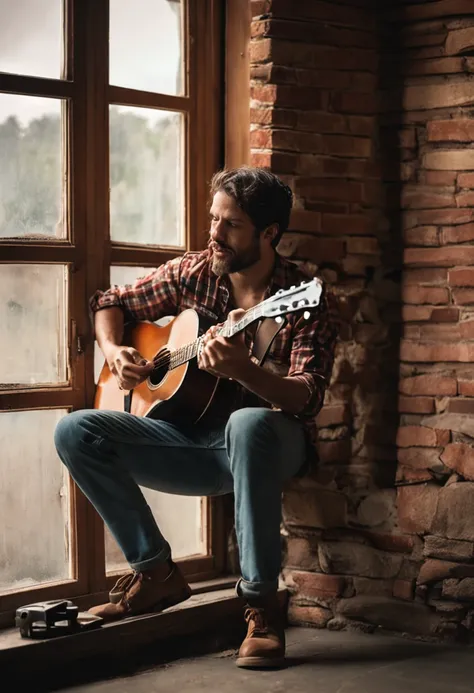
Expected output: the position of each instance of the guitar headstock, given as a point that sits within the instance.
(303, 297)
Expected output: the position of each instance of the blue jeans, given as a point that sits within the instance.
(109, 453)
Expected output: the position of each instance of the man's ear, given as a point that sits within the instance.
(271, 232)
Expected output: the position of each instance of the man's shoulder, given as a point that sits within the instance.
(192, 260)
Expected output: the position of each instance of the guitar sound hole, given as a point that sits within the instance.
(159, 373)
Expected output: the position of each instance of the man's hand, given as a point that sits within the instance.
(128, 366)
(222, 357)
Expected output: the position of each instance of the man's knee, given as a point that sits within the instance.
(72, 430)
(252, 423)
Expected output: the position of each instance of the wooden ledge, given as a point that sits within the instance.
(213, 613)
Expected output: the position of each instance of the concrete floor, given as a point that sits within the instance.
(319, 661)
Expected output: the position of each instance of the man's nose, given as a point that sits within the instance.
(217, 231)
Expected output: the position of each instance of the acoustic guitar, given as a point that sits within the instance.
(176, 389)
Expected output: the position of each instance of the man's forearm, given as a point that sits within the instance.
(289, 394)
(108, 324)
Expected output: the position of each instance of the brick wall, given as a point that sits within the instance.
(365, 113)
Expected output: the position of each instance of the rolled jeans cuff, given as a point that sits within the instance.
(255, 590)
(153, 562)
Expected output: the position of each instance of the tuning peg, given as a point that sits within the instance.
(293, 287)
(278, 319)
(306, 314)
(303, 302)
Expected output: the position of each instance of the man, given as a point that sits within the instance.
(251, 453)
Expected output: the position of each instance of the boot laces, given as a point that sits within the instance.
(123, 585)
(257, 616)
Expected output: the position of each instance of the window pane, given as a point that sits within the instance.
(31, 37)
(31, 167)
(146, 176)
(179, 519)
(34, 500)
(153, 58)
(33, 319)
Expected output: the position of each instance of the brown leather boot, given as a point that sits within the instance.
(264, 645)
(140, 593)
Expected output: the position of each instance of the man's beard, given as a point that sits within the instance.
(233, 262)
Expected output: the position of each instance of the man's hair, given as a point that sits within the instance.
(260, 194)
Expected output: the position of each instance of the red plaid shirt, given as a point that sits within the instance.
(302, 348)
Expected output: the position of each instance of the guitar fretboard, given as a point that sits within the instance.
(228, 329)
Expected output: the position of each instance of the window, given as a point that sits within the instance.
(109, 133)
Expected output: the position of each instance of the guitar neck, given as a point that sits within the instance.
(228, 329)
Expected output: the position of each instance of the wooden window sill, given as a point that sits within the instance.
(210, 620)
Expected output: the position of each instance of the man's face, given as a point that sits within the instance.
(234, 241)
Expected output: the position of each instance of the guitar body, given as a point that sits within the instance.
(182, 394)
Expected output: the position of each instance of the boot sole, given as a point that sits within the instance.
(260, 662)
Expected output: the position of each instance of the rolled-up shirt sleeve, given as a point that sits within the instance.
(312, 354)
(149, 298)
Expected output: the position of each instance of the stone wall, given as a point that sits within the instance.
(365, 112)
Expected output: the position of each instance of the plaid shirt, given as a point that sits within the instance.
(302, 349)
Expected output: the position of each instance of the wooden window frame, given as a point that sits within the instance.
(89, 252)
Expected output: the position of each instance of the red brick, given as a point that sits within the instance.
(317, 508)
(353, 16)
(425, 276)
(466, 387)
(332, 415)
(458, 234)
(436, 66)
(428, 385)
(278, 117)
(295, 141)
(459, 41)
(407, 138)
(404, 589)
(422, 198)
(444, 315)
(347, 224)
(334, 451)
(315, 616)
(284, 96)
(418, 458)
(327, 207)
(421, 236)
(389, 542)
(459, 456)
(431, 353)
(320, 122)
(465, 199)
(449, 159)
(416, 405)
(316, 189)
(311, 55)
(442, 332)
(361, 125)
(278, 162)
(438, 217)
(461, 277)
(304, 220)
(314, 585)
(467, 329)
(363, 246)
(466, 180)
(261, 139)
(424, 294)
(456, 130)
(439, 257)
(440, 178)
(463, 297)
(354, 103)
(347, 146)
(416, 313)
(417, 507)
(419, 436)
(461, 406)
